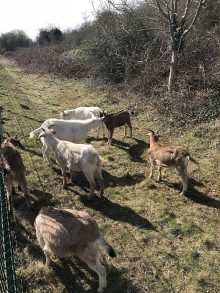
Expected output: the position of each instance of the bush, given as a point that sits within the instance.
(12, 40)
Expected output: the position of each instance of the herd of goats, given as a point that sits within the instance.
(67, 232)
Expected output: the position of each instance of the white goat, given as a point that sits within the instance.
(83, 113)
(75, 157)
(70, 130)
(68, 232)
(169, 156)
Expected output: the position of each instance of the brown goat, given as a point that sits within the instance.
(169, 156)
(115, 120)
(14, 168)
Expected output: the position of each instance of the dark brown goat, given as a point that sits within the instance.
(14, 169)
(115, 120)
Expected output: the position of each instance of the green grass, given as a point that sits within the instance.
(164, 242)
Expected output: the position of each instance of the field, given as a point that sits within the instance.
(164, 242)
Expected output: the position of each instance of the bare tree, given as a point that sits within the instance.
(180, 17)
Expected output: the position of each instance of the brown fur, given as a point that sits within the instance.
(169, 156)
(115, 120)
(14, 170)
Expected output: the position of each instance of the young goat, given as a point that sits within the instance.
(83, 113)
(73, 131)
(169, 156)
(68, 232)
(75, 157)
(115, 120)
(14, 168)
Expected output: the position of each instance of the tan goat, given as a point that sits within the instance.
(169, 156)
(14, 169)
(68, 232)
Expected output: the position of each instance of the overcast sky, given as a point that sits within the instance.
(31, 15)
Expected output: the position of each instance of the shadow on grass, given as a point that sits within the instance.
(195, 195)
(109, 180)
(116, 212)
(123, 180)
(72, 273)
(134, 150)
(39, 199)
(202, 199)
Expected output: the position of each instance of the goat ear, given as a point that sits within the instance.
(95, 114)
(51, 125)
(41, 135)
(151, 131)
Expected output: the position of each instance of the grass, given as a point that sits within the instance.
(164, 242)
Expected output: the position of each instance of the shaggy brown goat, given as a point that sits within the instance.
(14, 168)
(169, 156)
(115, 120)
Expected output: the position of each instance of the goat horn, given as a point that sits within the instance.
(16, 135)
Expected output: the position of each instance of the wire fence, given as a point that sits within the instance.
(8, 282)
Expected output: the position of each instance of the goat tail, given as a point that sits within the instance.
(103, 244)
(34, 132)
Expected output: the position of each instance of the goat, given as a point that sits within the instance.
(68, 232)
(75, 157)
(169, 156)
(14, 169)
(70, 130)
(115, 120)
(83, 113)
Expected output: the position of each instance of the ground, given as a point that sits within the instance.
(164, 242)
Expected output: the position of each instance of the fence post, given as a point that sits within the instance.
(8, 283)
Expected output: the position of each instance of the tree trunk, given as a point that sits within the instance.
(172, 76)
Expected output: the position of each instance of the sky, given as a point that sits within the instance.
(31, 15)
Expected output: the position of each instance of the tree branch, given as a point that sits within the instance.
(185, 13)
(201, 3)
(166, 15)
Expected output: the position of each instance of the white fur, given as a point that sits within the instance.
(76, 158)
(83, 113)
(69, 130)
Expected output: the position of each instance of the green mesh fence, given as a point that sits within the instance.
(8, 282)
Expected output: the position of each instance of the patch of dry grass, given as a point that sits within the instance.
(164, 242)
